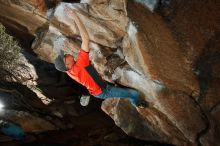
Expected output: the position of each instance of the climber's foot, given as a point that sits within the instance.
(142, 104)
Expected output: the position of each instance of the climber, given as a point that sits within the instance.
(84, 73)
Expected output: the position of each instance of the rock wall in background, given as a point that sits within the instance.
(168, 50)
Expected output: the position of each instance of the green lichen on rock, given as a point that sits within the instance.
(9, 52)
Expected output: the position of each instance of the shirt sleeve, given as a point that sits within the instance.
(83, 58)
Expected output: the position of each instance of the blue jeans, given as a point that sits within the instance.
(118, 92)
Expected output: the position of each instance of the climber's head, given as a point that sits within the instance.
(64, 62)
(68, 61)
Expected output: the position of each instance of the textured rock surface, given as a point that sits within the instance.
(27, 121)
(18, 13)
(211, 138)
(171, 56)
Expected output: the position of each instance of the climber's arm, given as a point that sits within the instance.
(82, 30)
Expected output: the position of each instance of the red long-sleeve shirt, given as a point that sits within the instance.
(84, 73)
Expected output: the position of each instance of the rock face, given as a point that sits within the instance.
(29, 122)
(170, 55)
(22, 12)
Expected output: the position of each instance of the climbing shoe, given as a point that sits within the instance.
(84, 100)
(142, 104)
